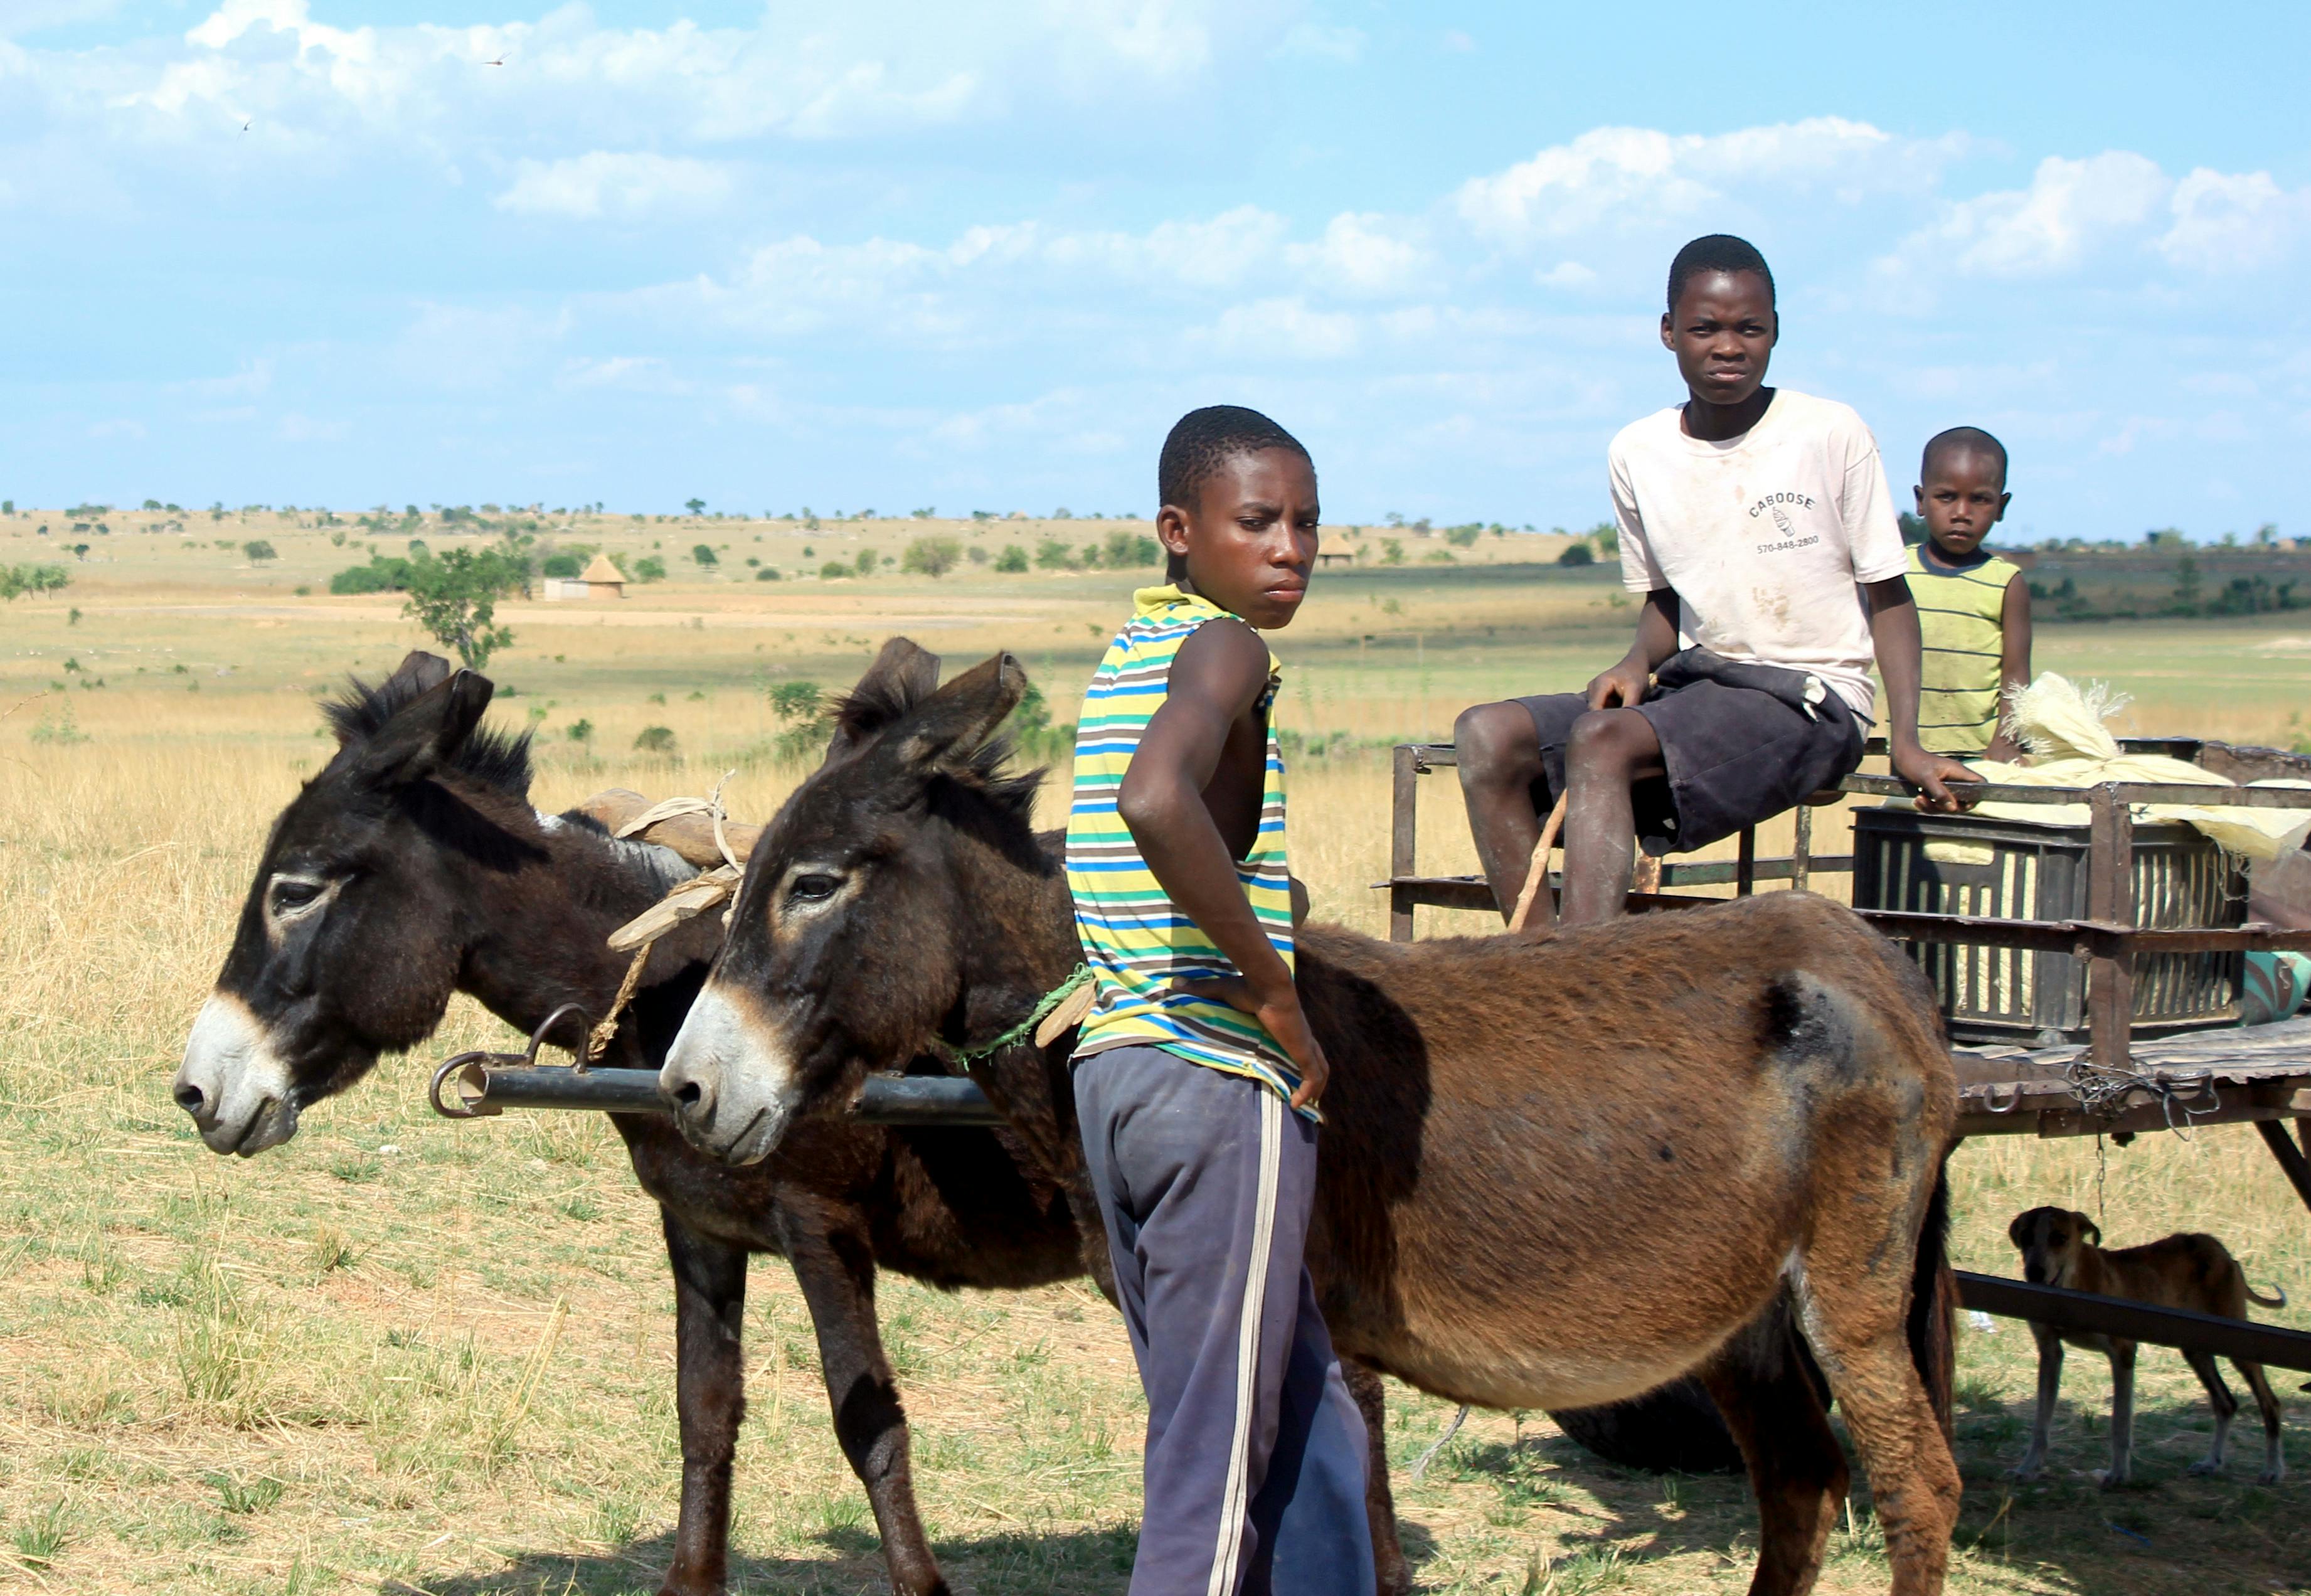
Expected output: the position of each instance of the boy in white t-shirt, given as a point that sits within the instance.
(1757, 525)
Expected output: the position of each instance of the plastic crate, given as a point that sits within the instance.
(1966, 864)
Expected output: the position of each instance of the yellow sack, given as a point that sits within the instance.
(2070, 747)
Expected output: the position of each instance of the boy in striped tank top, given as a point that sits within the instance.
(1973, 608)
(1197, 1078)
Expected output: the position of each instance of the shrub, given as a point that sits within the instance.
(455, 598)
(977, 554)
(1461, 537)
(258, 551)
(768, 573)
(581, 731)
(384, 573)
(650, 568)
(1011, 561)
(1576, 554)
(705, 554)
(1391, 550)
(868, 559)
(1053, 554)
(655, 739)
(559, 565)
(931, 557)
(834, 570)
(1127, 549)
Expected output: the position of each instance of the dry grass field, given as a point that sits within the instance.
(400, 1353)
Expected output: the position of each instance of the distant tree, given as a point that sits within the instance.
(1465, 536)
(655, 739)
(80, 550)
(693, 505)
(2164, 537)
(1576, 554)
(924, 513)
(768, 573)
(1913, 528)
(581, 730)
(1052, 554)
(2186, 585)
(834, 570)
(7, 507)
(650, 568)
(1607, 536)
(454, 596)
(16, 581)
(1126, 549)
(866, 563)
(931, 557)
(977, 554)
(151, 504)
(703, 554)
(1089, 556)
(1391, 550)
(2265, 536)
(258, 551)
(559, 565)
(1062, 514)
(1011, 561)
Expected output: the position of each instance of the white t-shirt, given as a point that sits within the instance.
(1766, 538)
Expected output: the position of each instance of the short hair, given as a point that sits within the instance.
(1962, 440)
(1202, 441)
(1716, 252)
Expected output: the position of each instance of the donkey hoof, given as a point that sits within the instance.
(2112, 1479)
(2271, 1476)
(2204, 1467)
(2023, 1471)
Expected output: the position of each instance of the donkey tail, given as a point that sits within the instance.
(1933, 1306)
(2279, 1301)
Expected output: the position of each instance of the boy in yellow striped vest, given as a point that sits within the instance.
(1196, 1074)
(1973, 608)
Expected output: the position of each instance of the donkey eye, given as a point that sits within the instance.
(294, 895)
(809, 889)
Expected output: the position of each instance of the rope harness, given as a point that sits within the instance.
(1066, 1003)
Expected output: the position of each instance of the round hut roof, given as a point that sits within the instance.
(603, 570)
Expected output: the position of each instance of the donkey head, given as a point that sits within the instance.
(845, 946)
(350, 938)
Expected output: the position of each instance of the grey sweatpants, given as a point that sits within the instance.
(1255, 1465)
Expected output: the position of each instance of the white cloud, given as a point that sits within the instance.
(1284, 328)
(623, 186)
(2069, 208)
(1625, 177)
(1365, 253)
(1566, 273)
(1316, 41)
(2227, 222)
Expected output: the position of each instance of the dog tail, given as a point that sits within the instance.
(1933, 1306)
(2253, 1296)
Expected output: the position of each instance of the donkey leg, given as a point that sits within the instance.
(1395, 1574)
(1797, 1469)
(1854, 1321)
(835, 1267)
(2219, 1397)
(710, 1304)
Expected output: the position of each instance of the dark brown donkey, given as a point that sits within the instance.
(414, 866)
(1556, 1173)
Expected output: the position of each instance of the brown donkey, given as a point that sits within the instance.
(1555, 1172)
(414, 866)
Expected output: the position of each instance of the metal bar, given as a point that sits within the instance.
(2132, 792)
(1801, 854)
(1403, 837)
(881, 1100)
(1745, 863)
(1713, 873)
(922, 1100)
(2110, 898)
(2291, 1162)
(2087, 1314)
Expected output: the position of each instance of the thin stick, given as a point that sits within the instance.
(1537, 877)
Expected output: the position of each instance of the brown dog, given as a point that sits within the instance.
(2186, 1270)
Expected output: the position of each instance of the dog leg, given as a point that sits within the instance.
(2121, 1415)
(2219, 1397)
(2274, 1464)
(2050, 1386)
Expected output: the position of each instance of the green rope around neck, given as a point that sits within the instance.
(965, 1057)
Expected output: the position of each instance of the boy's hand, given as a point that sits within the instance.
(1930, 773)
(1624, 687)
(1279, 1015)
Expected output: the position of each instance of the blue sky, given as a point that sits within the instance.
(979, 256)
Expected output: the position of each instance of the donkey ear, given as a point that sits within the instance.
(902, 677)
(422, 672)
(421, 738)
(966, 712)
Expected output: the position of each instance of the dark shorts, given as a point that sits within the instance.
(1735, 756)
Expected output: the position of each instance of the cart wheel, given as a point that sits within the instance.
(1673, 1429)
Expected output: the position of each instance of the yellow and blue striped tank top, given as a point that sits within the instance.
(1136, 941)
(1961, 622)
